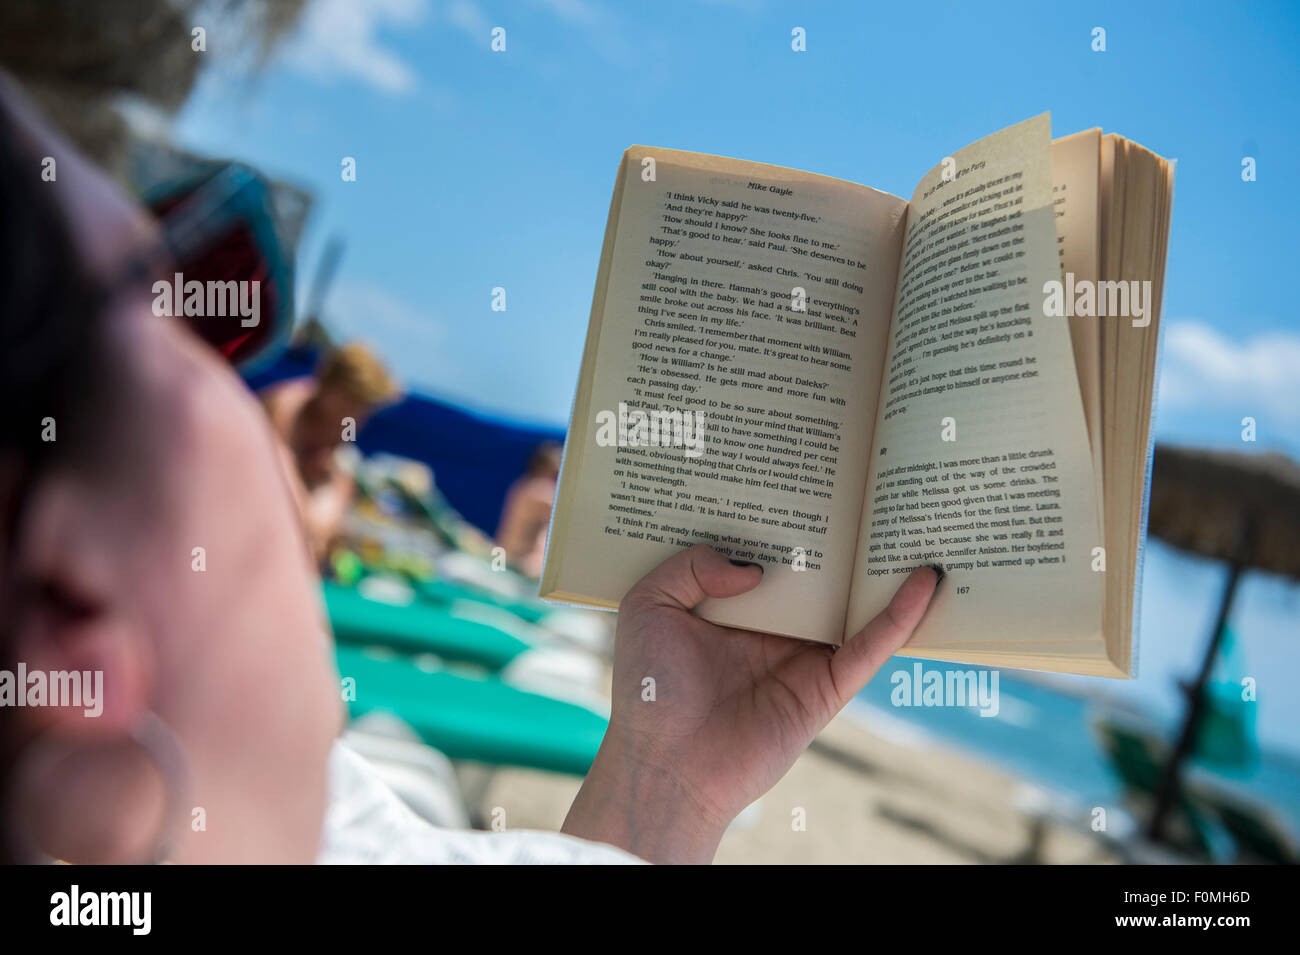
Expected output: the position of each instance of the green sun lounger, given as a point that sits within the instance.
(1138, 759)
(419, 627)
(474, 718)
(447, 591)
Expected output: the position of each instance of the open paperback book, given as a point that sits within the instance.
(842, 385)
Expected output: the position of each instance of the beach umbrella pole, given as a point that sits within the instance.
(1167, 792)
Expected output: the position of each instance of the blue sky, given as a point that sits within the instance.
(478, 169)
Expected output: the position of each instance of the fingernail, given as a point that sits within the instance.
(938, 569)
(745, 563)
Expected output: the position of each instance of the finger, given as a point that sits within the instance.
(866, 651)
(686, 578)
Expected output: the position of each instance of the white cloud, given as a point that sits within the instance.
(365, 310)
(467, 17)
(1203, 367)
(575, 10)
(601, 29)
(341, 39)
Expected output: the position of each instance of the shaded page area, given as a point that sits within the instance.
(757, 299)
(981, 460)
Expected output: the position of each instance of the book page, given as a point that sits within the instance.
(1138, 189)
(1076, 184)
(981, 460)
(754, 301)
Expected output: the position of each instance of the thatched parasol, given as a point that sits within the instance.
(1203, 502)
(1240, 508)
(76, 59)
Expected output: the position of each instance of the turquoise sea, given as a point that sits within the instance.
(1043, 730)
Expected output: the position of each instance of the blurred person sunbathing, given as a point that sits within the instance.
(526, 514)
(311, 417)
(219, 687)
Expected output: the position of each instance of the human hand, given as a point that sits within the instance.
(733, 709)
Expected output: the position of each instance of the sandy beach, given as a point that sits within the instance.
(863, 798)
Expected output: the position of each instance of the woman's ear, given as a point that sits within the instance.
(79, 668)
(70, 620)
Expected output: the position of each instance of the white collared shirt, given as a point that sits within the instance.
(367, 824)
